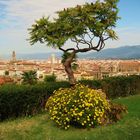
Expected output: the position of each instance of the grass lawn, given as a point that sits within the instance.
(41, 128)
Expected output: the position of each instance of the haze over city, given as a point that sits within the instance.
(17, 16)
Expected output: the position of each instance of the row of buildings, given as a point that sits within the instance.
(87, 69)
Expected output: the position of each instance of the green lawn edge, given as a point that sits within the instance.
(40, 127)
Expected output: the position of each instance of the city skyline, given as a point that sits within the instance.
(17, 16)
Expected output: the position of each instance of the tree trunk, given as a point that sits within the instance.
(68, 69)
(69, 72)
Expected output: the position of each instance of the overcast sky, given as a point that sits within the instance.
(18, 15)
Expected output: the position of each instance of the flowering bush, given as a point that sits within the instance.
(79, 106)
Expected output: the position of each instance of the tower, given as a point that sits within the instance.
(52, 62)
(13, 56)
(53, 58)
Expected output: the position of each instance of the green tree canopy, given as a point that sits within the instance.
(88, 26)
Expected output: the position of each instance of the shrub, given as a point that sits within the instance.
(121, 86)
(50, 78)
(80, 106)
(24, 100)
(115, 113)
(6, 72)
(114, 87)
(20, 100)
(29, 77)
(96, 84)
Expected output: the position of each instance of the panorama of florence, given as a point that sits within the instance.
(69, 70)
(11, 70)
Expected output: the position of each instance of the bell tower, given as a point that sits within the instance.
(13, 56)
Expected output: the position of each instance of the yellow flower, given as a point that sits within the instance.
(88, 119)
(67, 119)
(83, 124)
(85, 121)
(78, 118)
(86, 102)
(80, 114)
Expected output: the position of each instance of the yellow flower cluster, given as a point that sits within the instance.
(78, 105)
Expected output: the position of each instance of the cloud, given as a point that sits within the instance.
(18, 15)
(26, 11)
(128, 35)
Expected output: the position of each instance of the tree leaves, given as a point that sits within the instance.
(90, 25)
(99, 18)
(111, 34)
(29, 77)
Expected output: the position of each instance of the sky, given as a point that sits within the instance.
(16, 16)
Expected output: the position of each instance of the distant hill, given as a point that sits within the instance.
(33, 56)
(126, 52)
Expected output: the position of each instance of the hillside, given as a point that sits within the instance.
(126, 52)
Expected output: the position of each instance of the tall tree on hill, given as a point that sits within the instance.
(88, 26)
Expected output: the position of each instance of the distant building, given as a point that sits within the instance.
(87, 69)
(13, 56)
(129, 67)
(5, 79)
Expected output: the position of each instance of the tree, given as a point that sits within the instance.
(88, 26)
(29, 77)
(74, 65)
(6, 73)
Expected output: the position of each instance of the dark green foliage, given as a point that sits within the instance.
(6, 72)
(91, 83)
(24, 100)
(50, 78)
(121, 86)
(116, 86)
(29, 77)
(21, 100)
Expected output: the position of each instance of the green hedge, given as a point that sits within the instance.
(116, 86)
(24, 100)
